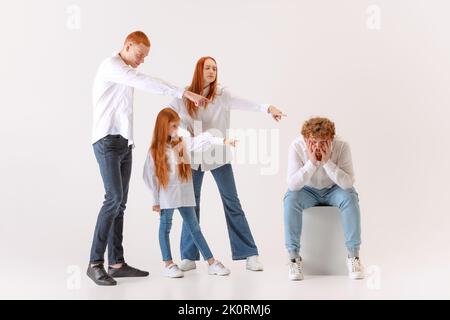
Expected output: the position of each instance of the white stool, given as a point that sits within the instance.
(323, 248)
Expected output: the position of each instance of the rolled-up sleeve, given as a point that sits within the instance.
(299, 172)
(341, 172)
(150, 178)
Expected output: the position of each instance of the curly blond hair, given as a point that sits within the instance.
(318, 128)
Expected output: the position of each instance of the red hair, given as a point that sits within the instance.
(197, 86)
(318, 128)
(138, 37)
(160, 140)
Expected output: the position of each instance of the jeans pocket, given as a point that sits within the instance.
(115, 140)
(115, 144)
(112, 137)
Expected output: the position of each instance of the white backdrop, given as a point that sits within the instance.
(386, 89)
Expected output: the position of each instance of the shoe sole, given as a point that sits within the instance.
(102, 284)
(170, 277)
(105, 284)
(255, 269)
(143, 276)
(300, 279)
(189, 269)
(356, 277)
(219, 274)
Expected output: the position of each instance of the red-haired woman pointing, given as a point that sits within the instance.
(216, 116)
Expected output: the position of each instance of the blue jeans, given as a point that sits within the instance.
(346, 200)
(241, 239)
(114, 158)
(190, 219)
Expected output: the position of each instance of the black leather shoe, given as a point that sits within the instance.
(99, 276)
(126, 271)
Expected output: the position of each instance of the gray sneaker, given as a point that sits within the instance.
(98, 274)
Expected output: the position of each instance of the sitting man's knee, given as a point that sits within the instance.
(347, 196)
(296, 199)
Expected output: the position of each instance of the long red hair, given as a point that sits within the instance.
(197, 85)
(161, 138)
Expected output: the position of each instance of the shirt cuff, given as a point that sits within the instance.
(212, 139)
(179, 93)
(218, 141)
(310, 167)
(329, 166)
(156, 199)
(265, 108)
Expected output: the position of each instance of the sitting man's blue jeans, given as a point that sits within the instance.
(191, 222)
(346, 200)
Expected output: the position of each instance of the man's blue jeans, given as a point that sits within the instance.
(114, 158)
(346, 200)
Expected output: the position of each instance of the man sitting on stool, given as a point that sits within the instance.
(320, 172)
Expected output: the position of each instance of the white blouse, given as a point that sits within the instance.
(216, 118)
(177, 193)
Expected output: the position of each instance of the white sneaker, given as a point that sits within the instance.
(172, 271)
(296, 270)
(218, 268)
(187, 265)
(254, 264)
(355, 268)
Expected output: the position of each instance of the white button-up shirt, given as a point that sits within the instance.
(177, 193)
(216, 117)
(113, 97)
(302, 172)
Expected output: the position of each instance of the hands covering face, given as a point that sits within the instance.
(318, 150)
(325, 150)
